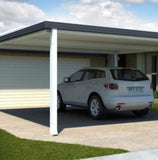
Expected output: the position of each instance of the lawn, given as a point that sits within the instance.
(155, 106)
(14, 148)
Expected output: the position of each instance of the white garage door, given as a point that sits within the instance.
(67, 66)
(24, 81)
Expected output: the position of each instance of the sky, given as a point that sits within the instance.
(129, 14)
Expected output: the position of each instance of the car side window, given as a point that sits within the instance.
(90, 74)
(100, 74)
(77, 76)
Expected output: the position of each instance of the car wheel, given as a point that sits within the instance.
(60, 105)
(141, 113)
(96, 107)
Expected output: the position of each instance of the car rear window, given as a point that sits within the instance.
(128, 75)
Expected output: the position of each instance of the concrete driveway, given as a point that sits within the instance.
(117, 130)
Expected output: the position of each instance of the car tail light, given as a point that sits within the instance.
(111, 86)
(151, 86)
(106, 85)
(150, 102)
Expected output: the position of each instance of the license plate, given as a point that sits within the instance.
(135, 89)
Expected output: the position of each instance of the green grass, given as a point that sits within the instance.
(14, 148)
(155, 107)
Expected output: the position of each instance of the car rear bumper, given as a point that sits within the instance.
(130, 103)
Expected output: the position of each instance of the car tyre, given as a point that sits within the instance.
(60, 105)
(96, 107)
(141, 113)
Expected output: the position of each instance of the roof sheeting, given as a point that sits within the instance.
(77, 27)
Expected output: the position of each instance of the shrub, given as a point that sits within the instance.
(155, 94)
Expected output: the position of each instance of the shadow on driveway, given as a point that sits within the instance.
(77, 117)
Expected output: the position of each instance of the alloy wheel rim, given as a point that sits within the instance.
(94, 107)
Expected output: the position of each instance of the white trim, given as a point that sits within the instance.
(53, 83)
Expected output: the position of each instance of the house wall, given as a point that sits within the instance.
(149, 66)
(141, 62)
(98, 61)
(131, 60)
(95, 60)
(110, 61)
(136, 60)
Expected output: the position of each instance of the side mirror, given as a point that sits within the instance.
(66, 79)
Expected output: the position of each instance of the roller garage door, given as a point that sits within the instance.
(24, 80)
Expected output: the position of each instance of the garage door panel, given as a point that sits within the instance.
(20, 72)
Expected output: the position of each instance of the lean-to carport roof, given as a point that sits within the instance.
(81, 38)
(77, 27)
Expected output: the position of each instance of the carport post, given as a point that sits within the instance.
(115, 60)
(53, 83)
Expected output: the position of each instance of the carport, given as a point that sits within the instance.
(53, 37)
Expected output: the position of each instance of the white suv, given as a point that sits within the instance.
(101, 88)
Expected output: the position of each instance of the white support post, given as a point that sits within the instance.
(115, 60)
(53, 83)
